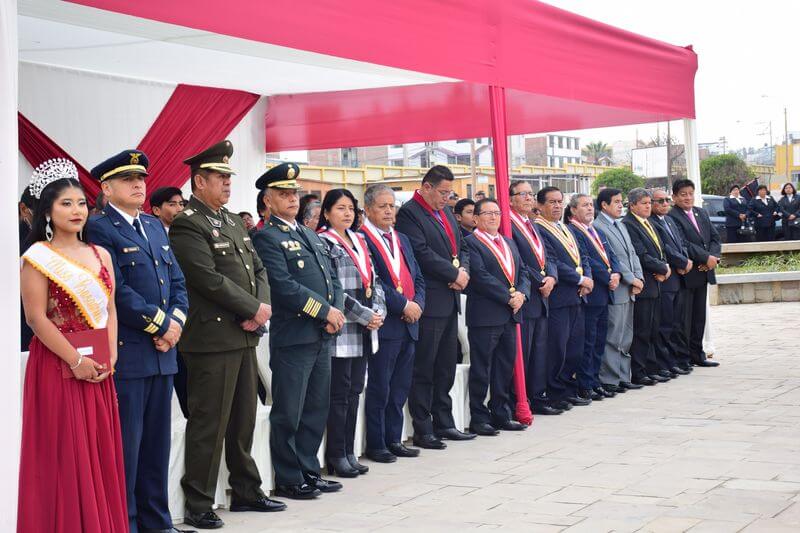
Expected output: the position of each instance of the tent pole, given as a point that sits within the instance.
(497, 106)
(693, 158)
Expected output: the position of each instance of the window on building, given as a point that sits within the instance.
(423, 160)
(491, 191)
(469, 190)
(462, 141)
(396, 162)
(397, 146)
(550, 162)
(552, 140)
(561, 142)
(463, 159)
(349, 157)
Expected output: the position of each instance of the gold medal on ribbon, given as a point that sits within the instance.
(512, 290)
(456, 262)
(399, 289)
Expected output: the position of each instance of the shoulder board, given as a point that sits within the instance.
(188, 212)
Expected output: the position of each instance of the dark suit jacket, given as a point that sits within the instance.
(763, 215)
(150, 291)
(601, 294)
(394, 327)
(566, 292)
(536, 306)
(653, 260)
(674, 248)
(733, 209)
(789, 208)
(698, 245)
(488, 291)
(433, 254)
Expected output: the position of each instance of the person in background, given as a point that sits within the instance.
(500, 286)
(71, 471)
(247, 218)
(99, 203)
(304, 201)
(166, 203)
(391, 367)
(789, 206)
(364, 312)
(735, 208)
(452, 201)
(464, 212)
(310, 218)
(25, 209)
(262, 208)
(480, 195)
(764, 212)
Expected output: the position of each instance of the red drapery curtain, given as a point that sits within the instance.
(37, 148)
(193, 118)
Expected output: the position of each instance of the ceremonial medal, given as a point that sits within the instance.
(301, 264)
(542, 272)
(399, 289)
(456, 262)
(579, 270)
(512, 290)
(368, 292)
(215, 233)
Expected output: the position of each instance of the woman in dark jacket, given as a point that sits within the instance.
(764, 211)
(735, 214)
(789, 205)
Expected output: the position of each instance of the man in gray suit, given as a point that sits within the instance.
(615, 372)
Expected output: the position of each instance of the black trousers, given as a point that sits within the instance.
(693, 311)
(534, 356)
(565, 331)
(492, 352)
(390, 370)
(301, 382)
(646, 313)
(594, 345)
(790, 233)
(732, 235)
(347, 383)
(222, 398)
(765, 234)
(434, 373)
(666, 351)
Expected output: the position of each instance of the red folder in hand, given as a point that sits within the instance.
(92, 343)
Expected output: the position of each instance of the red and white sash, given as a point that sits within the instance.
(503, 255)
(359, 255)
(534, 241)
(598, 244)
(83, 286)
(392, 260)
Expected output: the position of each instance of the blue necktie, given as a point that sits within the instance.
(138, 227)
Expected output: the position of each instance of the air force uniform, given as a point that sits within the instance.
(150, 294)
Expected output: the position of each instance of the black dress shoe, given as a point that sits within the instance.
(562, 404)
(544, 409)
(453, 434)
(706, 363)
(206, 520)
(679, 371)
(644, 381)
(362, 469)
(429, 442)
(262, 505)
(604, 392)
(400, 450)
(658, 378)
(303, 491)
(587, 394)
(484, 430)
(577, 401)
(339, 467)
(627, 385)
(510, 425)
(323, 485)
(613, 389)
(381, 456)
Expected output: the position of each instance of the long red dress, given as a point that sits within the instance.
(72, 477)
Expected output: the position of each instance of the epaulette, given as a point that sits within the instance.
(188, 212)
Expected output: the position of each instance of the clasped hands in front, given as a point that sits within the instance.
(461, 281)
(170, 338)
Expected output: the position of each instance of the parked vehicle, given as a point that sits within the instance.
(713, 206)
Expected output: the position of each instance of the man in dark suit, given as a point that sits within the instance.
(500, 285)
(151, 311)
(764, 211)
(646, 310)
(442, 256)
(391, 367)
(464, 211)
(735, 208)
(540, 265)
(565, 324)
(704, 249)
(672, 356)
(606, 275)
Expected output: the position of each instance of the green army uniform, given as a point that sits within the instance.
(226, 283)
(303, 292)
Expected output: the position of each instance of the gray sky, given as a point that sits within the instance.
(749, 62)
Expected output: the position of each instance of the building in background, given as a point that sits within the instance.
(552, 150)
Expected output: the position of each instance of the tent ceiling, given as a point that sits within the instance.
(68, 35)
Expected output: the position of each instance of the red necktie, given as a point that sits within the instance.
(499, 242)
(388, 237)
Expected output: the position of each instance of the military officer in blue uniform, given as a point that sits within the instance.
(306, 303)
(151, 311)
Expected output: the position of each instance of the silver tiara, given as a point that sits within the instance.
(50, 171)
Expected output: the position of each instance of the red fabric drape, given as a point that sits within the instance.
(37, 148)
(193, 119)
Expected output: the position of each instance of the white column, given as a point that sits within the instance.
(10, 378)
(692, 151)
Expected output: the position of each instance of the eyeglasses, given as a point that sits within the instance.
(491, 213)
(524, 194)
(663, 201)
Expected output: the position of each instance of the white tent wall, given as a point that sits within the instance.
(93, 116)
(10, 382)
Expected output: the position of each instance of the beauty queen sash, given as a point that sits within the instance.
(84, 287)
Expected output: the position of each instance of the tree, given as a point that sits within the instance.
(617, 178)
(719, 172)
(592, 152)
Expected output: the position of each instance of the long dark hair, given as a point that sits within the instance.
(331, 197)
(788, 184)
(45, 205)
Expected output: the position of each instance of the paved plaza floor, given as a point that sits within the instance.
(718, 450)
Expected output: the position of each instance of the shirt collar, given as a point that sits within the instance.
(129, 219)
(292, 224)
(608, 217)
(376, 229)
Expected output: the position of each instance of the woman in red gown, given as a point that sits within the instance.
(71, 468)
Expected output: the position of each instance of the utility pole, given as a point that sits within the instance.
(669, 160)
(786, 132)
(405, 154)
(473, 155)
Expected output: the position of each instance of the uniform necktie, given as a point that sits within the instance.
(388, 237)
(138, 227)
